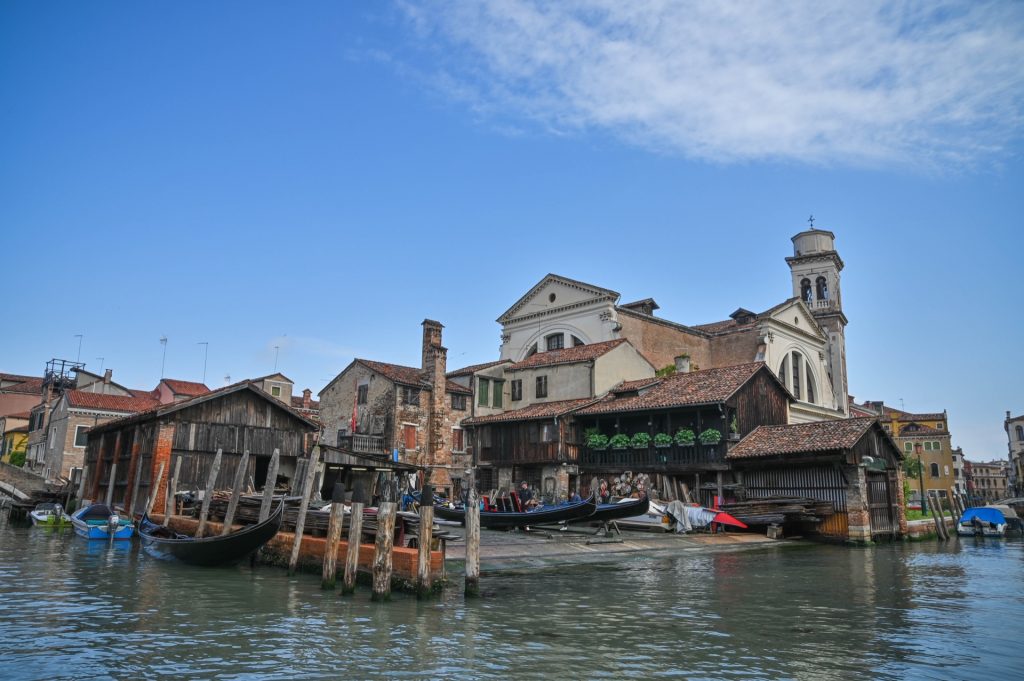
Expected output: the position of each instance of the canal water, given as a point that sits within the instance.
(71, 609)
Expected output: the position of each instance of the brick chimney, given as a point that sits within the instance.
(431, 339)
(306, 398)
(435, 363)
(107, 375)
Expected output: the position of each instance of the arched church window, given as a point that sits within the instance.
(556, 341)
(796, 375)
(1020, 433)
(822, 287)
(935, 470)
(812, 390)
(576, 341)
(805, 290)
(784, 371)
(533, 351)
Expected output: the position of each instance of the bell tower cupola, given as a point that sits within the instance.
(815, 266)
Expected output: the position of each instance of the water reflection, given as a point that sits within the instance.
(929, 610)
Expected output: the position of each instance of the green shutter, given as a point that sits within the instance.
(499, 389)
(482, 385)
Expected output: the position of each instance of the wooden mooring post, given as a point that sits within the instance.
(424, 580)
(236, 491)
(172, 492)
(268, 485)
(472, 541)
(355, 535)
(937, 515)
(110, 484)
(151, 495)
(382, 558)
(300, 522)
(211, 480)
(81, 486)
(334, 523)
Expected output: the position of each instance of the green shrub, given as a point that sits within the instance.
(685, 437)
(662, 440)
(597, 440)
(620, 441)
(711, 436)
(640, 441)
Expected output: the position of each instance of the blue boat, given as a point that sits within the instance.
(99, 521)
(983, 521)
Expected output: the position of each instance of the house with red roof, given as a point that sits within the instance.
(409, 413)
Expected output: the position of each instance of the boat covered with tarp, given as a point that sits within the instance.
(982, 521)
(99, 521)
(164, 542)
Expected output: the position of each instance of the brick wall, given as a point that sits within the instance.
(661, 343)
(739, 347)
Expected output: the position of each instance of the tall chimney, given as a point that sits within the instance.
(107, 374)
(431, 339)
(306, 398)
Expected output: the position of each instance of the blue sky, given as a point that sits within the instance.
(321, 177)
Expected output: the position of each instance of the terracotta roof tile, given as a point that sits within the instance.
(124, 403)
(542, 410)
(410, 376)
(820, 436)
(189, 388)
(30, 385)
(579, 353)
(918, 430)
(707, 386)
(473, 368)
(732, 325)
(297, 403)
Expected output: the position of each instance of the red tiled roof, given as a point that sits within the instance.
(731, 325)
(542, 410)
(18, 377)
(473, 368)
(87, 400)
(820, 436)
(918, 430)
(579, 353)
(410, 376)
(189, 388)
(707, 386)
(20, 415)
(632, 386)
(297, 403)
(31, 385)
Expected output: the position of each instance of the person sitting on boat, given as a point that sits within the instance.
(638, 493)
(525, 495)
(604, 496)
(573, 497)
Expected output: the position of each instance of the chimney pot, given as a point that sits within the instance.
(306, 397)
(107, 374)
(683, 364)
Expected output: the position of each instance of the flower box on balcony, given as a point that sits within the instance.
(661, 441)
(619, 441)
(640, 441)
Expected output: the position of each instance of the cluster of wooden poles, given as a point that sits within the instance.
(957, 505)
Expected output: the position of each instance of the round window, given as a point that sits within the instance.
(551, 298)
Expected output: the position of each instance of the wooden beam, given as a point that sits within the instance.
(355, 535)
(172, 491)
(268, 485)
(236, 491)
(300, 522)
(211, 480)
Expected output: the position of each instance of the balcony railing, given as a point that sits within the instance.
(654, 457)
(363, 444)
(542, 452)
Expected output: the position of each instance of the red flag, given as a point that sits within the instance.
(354, 414)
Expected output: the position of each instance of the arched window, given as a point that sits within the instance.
(1020, 433)
(533, 351)
(805, 290)
(577, 341)
(812, 390)
(796, 374)
(784, 371)
(556, 341)
(935, 470)
(822, 288)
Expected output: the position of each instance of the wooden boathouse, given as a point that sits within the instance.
(851, 463)
(124, 457)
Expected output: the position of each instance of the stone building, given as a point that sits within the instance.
(991, 481)
(1014, 426)
(802, 339)
(413, 413)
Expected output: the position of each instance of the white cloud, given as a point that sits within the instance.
(932, 84)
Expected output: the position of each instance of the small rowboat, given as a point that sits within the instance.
(50, 515)
(544, 515)
(220, 550)
(99, 521)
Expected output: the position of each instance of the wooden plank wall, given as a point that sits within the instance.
(760, 402)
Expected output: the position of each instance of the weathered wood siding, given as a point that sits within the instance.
(759, 402)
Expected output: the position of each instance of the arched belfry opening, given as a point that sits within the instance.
(821, 287)
(805, 290)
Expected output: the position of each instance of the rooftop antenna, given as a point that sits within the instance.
(227, 379)
(163, 362)
(78, 357)
(277, 351)
(901, 405)
(206, 352)
(101, 359)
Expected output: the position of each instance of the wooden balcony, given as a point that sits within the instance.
(363, 444)
(674, 457)
(536, 453)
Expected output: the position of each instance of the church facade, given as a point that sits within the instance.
(802, 339)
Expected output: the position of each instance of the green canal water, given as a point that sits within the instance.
(71, 609)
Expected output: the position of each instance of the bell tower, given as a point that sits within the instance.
(815, 266)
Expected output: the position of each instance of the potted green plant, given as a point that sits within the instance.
(685, 437)
(640, 441)
(711, 436)
(597, 441)
(619, 441)
(734, 429)
(662, 440)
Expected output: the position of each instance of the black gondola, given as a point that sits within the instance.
(506, 519)
(221, 550)
(623, 509)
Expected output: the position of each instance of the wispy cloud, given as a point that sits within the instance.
(309, 345)
(866, 83)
